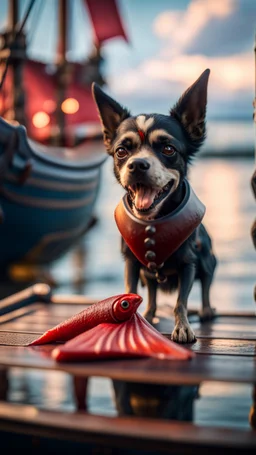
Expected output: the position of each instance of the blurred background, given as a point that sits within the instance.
(152, 52)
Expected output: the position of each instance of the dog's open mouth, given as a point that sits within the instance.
(145, 198)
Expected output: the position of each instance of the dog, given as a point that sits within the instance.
(152, 154)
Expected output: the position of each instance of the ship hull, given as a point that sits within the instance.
(47, 197)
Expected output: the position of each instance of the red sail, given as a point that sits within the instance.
(105, 19)
(40, 89)
(40, 92)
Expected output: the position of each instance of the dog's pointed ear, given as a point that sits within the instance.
(190, 110)
(110, 112)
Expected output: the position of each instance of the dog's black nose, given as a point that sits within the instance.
(138, 164)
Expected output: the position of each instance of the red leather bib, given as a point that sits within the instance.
(154, 241)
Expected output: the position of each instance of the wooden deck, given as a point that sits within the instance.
(225, 352)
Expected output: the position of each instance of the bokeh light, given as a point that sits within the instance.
(40, 119)
(70, 106)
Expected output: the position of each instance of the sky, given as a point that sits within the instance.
(174, 41)
(171, 42)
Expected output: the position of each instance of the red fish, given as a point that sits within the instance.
(133, 338)
(115, 309)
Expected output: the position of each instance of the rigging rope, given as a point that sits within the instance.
(34, 25)
(23, 23)
(18, 32)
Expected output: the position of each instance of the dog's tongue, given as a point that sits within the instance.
(144, 197)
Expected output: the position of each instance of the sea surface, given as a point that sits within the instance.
(229, 138)
(96, 269)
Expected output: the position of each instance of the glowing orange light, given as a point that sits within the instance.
(40, 119)
(70, 106)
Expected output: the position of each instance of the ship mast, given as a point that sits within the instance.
(62, 72)
(13, 52)
(17, 45)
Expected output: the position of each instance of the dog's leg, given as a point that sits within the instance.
(182, 332)
(131, 275)
(207, 313)
(151, 306)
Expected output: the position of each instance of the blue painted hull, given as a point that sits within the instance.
(48, 209)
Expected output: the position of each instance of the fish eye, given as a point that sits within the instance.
(169, 150)
(121, 153)
(125, 304)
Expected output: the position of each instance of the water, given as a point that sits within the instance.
(229, 138)
(224, 187)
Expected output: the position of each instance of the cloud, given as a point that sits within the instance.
(233, 73)
(178, 63)
(228, 73)
(180, 28)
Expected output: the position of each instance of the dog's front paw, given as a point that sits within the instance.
(183, 333)
(207, 314)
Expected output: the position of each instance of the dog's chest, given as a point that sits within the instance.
(186, 253)
(158, 243)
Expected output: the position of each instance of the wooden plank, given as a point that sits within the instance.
(227, 314)
(15, 315)
(17, 338)
(219, 346)
(73, 299)
(167, 436)
(227, 327)
(220, 335)
(28, 326)
(38, 292)
(225, 347)
(38, 317)
(228, 322)
(226, 334)
(201, 368)
(221, 327)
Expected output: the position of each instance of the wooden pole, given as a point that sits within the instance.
(62, 67)
(62, 31)
(17, 56)
(13, 14)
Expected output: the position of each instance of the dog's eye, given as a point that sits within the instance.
(121, 153)
(169, 150)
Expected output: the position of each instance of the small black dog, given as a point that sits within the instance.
(151, 156)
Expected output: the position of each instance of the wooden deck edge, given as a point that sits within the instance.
(115, 431)
(226, 314)
(73, 299)
(209, 337)
(146, 371)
